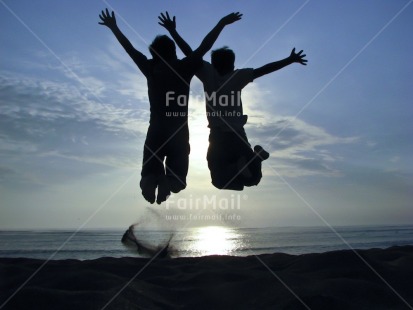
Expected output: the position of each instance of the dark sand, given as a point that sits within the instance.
(333, 280)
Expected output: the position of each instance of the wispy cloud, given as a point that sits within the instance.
(44, 121)
(301, 148)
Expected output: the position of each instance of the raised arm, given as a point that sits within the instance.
(212, 36)
(277, 65)
(170, 25)
(109, 21)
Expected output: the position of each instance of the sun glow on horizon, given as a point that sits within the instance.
(214, 240)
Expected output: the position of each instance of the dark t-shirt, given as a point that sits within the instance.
(223, 96)
(168, 89)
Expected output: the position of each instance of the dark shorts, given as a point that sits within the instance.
(224, 151)
(166, 151)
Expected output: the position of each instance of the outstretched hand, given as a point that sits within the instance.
(231, 18)
(107, 19)
(297, 57)
(166, 22)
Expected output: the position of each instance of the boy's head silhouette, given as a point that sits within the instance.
(163, 48)
(223, 60)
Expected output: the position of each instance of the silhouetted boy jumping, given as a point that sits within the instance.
(168, 79)
(231, 161)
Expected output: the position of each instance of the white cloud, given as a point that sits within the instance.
(33, 99)
(44, 121)
(297, 147)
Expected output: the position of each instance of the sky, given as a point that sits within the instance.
(74, 112)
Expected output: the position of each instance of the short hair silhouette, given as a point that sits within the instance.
(163, 48)
(223, 60)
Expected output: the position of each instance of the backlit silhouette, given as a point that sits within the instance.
(166, 151)
(231, 161)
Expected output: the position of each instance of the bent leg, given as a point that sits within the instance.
(256, 165)
(222, 162)
(176, 171)
(177, 161)
(152, 164)
(253, 159)
(256, 173)
(163, 189)
(225, 177)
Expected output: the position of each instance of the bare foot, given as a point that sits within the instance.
(261, 153)
(163, 189)
(148, 185)
(175, 185)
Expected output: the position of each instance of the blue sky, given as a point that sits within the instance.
(74, 113)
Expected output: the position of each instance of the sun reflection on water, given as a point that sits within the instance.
(214, 240)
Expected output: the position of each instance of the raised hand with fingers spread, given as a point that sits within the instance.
(297, 57)
(231, 18)
(108, 20)
(166, 22)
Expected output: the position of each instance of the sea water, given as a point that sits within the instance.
(201, 241)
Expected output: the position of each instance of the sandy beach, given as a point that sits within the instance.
(370, 279)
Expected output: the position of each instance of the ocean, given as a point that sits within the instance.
(200, 241)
